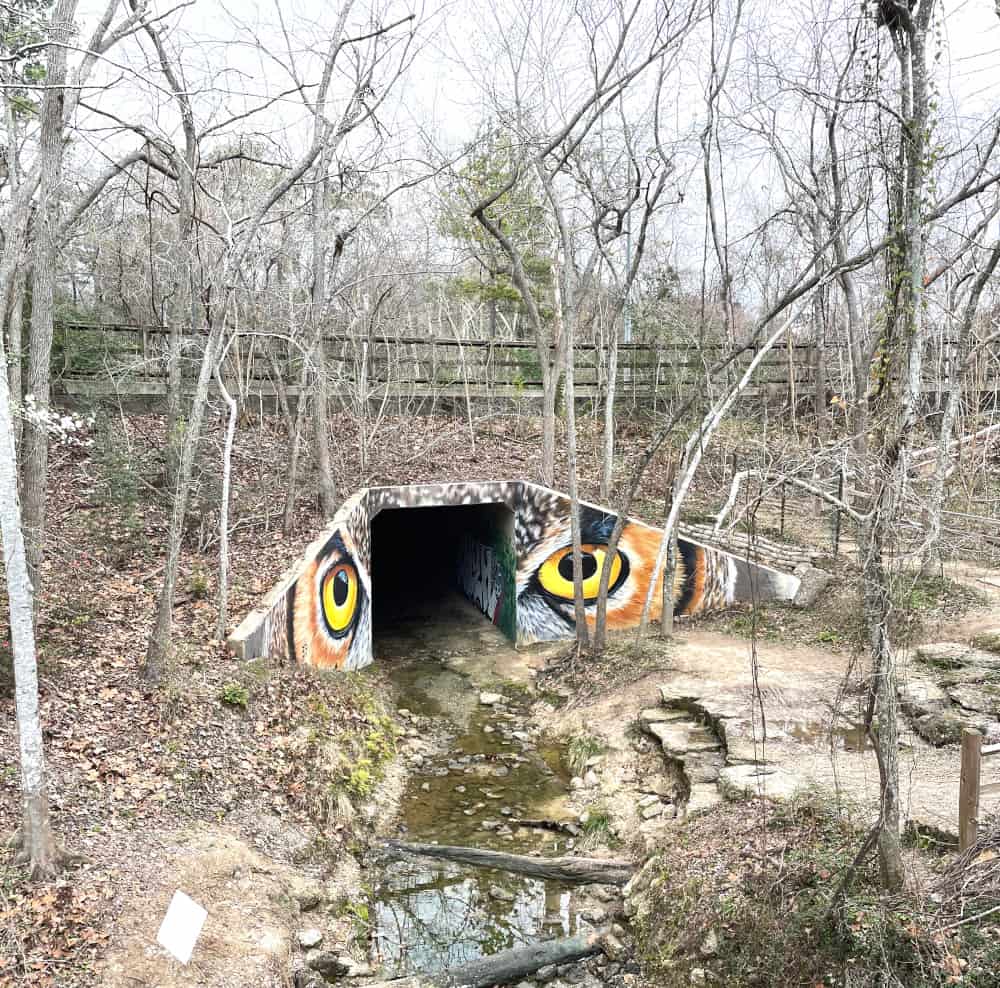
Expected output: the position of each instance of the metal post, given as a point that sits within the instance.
(782, 529)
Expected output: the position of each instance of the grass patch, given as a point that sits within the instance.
(596, 823)
(580, 749)
(235, 695)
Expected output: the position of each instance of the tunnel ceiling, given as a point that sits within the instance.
(320, 611)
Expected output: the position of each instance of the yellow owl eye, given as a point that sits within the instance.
(556, 573)
(340, 597)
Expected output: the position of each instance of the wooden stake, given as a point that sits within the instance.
(968, 792)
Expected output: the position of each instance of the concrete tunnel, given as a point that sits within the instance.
(505, 544)
(422, 557)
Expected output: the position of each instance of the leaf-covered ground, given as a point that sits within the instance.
(267, 752)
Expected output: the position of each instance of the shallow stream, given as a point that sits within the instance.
(486, 769)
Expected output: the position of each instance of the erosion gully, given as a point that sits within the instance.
(477, 767)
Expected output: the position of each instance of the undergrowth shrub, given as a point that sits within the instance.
(117, 488)
(748, 896)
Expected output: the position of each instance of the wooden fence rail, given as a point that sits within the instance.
(970, 786)
(131, 361)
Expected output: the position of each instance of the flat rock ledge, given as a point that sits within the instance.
(949, 687)
(710, 739)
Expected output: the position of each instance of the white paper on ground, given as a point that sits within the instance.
(181, 926)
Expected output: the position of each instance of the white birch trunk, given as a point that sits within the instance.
(694, 449)
(227, 471)
(37, 844)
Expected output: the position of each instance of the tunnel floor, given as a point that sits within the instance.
(415, 559)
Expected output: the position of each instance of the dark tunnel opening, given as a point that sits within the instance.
(424, 560)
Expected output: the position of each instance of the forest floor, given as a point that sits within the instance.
(238, 781)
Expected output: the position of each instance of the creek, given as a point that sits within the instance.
(478, 765)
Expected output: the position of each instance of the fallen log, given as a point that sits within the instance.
(571, 870)
(504, 967)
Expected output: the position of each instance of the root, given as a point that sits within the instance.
(43, 859)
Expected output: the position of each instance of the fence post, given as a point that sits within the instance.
(968, 790)
(782, 509)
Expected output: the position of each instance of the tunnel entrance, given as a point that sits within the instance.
(425, 560)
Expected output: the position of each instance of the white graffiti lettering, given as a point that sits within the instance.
(480, 577)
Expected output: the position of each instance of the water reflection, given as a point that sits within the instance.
(435, 916)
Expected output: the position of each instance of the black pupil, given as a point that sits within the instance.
(341, 584)
(566, 566)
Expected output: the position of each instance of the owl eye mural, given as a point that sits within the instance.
(329, 613)
(555, 575)
(703, 579)
(320, 614)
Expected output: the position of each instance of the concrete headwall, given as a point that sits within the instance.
(320, 611)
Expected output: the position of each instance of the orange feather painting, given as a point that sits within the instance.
(704, 578)
(329, 612)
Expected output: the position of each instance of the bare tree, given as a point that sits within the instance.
(358, 107)
(50, 151)
(554, 148)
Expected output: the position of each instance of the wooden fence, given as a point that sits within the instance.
(129, 361)
(970, 789)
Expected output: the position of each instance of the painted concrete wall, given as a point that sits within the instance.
(706, 579)
(319, 614)
(487, 568)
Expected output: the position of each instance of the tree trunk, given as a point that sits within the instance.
(886, 740)
(321, 399)
(14, 336)
(227, 465)
(550, 386)
(565, 315)
(183, 315)
(291, 491)
(158, 648)
(902, 348)
(608, 463)
(186, 303)
(565, 869)
(669, 569)
(37, 843)
(327, 490)
(36, 435)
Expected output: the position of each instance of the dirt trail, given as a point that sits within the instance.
(809, 731)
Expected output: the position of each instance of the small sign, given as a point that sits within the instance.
(181, 926)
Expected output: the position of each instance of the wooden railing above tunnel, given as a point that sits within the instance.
(130, 361)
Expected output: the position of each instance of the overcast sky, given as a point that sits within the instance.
(446, 89)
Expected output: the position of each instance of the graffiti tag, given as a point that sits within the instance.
(481, 577)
